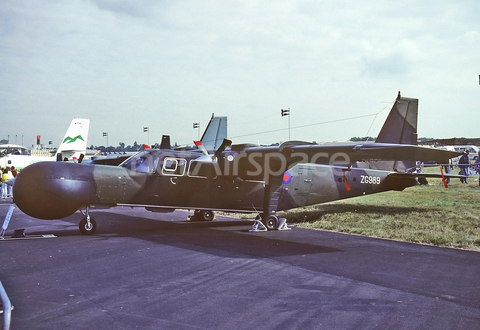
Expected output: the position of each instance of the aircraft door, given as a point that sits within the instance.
(303, 182)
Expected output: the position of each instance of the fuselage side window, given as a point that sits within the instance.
(199, 169)
(173, 166)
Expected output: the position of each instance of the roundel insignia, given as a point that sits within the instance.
(287, 177)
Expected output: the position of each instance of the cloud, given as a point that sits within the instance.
(136, 9)
(387, 63)
(172, 63)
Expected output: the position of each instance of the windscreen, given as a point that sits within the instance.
(145, 162)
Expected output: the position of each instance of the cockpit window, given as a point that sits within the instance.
(144, 162)
(13, 151)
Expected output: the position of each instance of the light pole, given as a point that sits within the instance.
(145, 129)
(197, 126)
(106, 134)
(286, 112)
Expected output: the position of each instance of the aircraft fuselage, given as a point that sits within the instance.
(169, 180)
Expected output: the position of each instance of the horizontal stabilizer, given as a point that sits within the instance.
(426, 175)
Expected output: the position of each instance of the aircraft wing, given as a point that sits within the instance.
(373, 151)
(405, 152)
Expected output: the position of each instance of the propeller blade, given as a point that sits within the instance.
(225, 143)
(200, 146)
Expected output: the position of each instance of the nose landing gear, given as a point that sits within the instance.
(87, 225)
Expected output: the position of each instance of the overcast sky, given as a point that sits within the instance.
(166, 64)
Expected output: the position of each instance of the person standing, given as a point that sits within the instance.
(9, 186)
(464, 164)
(14, 171)
(476, 166)
(4, 183)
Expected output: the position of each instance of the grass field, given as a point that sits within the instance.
(429, 214)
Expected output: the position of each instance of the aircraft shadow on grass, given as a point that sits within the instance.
(315, 214)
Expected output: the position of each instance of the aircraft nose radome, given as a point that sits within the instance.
(53, 190)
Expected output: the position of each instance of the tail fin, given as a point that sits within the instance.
(399, 128)
(401, 124)
(75, 141)
(215, 132)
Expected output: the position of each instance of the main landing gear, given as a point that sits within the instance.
(271, 196)
(202, 215)
(272, 222)
(87, 225)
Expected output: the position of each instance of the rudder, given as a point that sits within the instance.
(401, 124)
(400, 127)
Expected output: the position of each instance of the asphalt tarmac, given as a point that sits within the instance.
(144, 270)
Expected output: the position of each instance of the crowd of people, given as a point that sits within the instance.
(8, 173)
(465, 166)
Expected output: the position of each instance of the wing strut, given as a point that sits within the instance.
(443, 178)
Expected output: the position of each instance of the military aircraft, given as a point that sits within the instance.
(233, 178)
(74, 144)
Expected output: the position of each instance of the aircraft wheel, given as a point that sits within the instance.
(271, 222)
(85, 229)
(206, 215)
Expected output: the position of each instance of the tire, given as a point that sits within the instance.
(84, 229)
(206, 215)
(271, 222)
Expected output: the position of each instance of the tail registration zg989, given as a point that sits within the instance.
(369, 179)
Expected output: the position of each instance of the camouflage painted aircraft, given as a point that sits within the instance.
(233, 178)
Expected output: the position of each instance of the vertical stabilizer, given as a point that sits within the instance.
(399, 128)
(75, 141)
(401, 124)
(215, 132)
